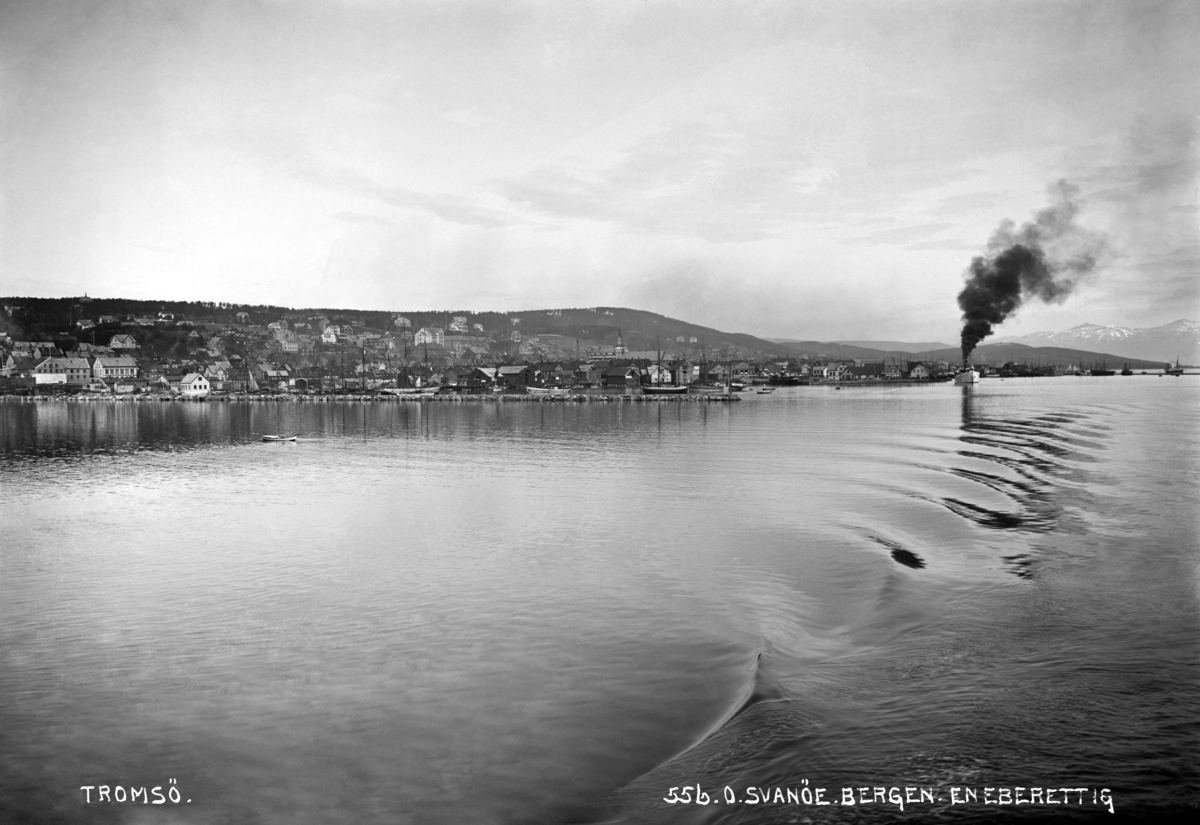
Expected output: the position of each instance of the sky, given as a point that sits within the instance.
(813, 170)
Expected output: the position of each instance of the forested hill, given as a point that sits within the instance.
(44, 318)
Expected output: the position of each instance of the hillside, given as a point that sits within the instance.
(883, 346)
(46, 318)
(565, 329)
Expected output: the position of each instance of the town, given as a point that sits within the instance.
(219, 350)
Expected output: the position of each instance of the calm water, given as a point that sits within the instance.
(551, 613)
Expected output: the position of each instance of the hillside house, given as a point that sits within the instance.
(430, 335)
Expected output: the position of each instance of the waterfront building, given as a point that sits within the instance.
(114, 366)
(659, 374)
(863, 372)
(194, 385)
(77, 370)
(517, 375)
(917, 370)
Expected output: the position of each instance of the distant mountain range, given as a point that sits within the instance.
(1179, 339)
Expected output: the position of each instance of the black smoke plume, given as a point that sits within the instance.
(1043, 259)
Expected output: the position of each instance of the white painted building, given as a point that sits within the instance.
(194, 385)
(430, 335)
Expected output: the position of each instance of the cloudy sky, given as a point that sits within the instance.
(802, 169)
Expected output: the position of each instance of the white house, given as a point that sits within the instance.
(122, 341)
(194, 384)
(431, 335)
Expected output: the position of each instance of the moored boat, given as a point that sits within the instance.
(432, 389)
(665, 389)
(279, 438)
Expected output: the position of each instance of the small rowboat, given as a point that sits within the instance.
(279, 438)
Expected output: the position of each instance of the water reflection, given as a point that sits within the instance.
(1024, 459)
(503, 612)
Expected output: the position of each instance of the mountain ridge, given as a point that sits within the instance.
(1168, 342)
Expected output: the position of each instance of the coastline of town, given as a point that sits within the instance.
(313, 357)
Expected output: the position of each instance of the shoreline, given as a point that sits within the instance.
(449, 398)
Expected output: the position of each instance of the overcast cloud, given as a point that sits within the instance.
(810, 170)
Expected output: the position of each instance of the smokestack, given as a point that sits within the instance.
(1045, 259)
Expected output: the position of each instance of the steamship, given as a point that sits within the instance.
(967, 375)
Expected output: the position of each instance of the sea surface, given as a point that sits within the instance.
(578, 613)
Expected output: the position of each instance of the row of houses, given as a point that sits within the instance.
(123, 373)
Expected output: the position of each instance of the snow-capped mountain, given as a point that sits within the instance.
(1179, 339)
